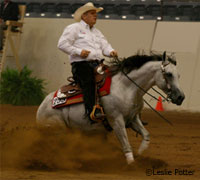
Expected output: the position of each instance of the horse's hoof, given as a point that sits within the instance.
(130, 161)
(144, 145)
(129, 157)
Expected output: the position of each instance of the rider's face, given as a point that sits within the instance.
(90, 17)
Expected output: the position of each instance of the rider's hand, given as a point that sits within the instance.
(84, 53)
(113, 54)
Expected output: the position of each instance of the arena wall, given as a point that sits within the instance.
(39, 50)
(183, 38)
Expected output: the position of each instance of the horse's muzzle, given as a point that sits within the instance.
(180, 99)
(177, 97)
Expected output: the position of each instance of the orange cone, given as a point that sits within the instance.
(159, 106)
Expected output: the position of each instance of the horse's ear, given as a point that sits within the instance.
(164, 56)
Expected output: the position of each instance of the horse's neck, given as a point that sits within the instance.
(143, 77)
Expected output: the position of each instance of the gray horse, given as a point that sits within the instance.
(132, 78)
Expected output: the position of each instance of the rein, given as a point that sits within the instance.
(145, 90)
(159, 114)
(163, 71)
(139, 86)
(166, 99)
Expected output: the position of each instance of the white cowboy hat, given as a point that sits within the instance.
(87, 7)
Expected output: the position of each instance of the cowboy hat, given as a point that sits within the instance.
(87, 7)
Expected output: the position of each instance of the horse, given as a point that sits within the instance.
(125, 102)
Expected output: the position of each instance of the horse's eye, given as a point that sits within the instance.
(169, 75)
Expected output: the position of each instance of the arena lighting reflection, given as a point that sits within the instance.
(141, 17)
(159, 18)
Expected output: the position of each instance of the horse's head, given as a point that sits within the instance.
(167, 79)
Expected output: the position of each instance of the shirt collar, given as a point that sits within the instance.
(83, 23)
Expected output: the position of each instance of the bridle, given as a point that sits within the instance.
(168, 86)
(164, 72)
(163, 65)
(167, 83)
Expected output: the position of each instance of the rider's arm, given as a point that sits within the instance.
(66, 41)
(105, 46)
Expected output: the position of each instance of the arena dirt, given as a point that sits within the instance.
(29, 153)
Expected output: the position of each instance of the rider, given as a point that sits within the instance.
(85, 46)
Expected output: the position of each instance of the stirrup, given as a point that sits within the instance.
(92, 114)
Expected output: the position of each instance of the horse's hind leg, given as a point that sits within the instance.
(137, 126)
(49, 117)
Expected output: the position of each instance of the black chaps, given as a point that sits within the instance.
(83, 74)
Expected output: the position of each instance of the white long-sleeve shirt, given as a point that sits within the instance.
(79, 36)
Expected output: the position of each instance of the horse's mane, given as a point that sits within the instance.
(135, 62)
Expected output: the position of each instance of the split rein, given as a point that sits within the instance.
(159, 114)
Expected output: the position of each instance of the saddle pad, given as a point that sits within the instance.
(58, 102)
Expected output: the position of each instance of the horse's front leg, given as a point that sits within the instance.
(120, 131)
(137, 126)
